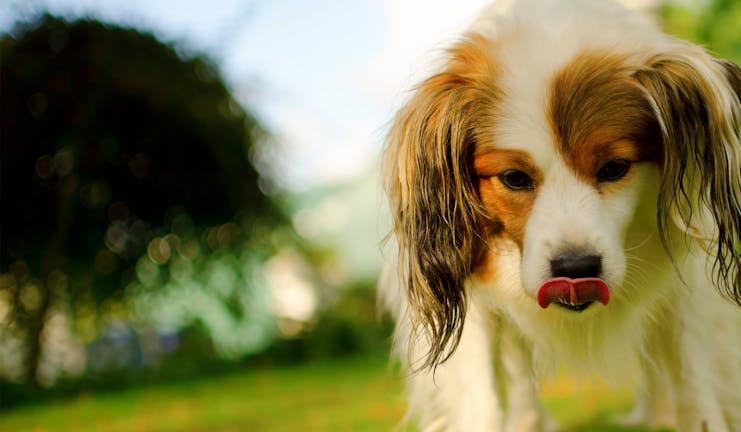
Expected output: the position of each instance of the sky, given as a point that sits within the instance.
(324, 76)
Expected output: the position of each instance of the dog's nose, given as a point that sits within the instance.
(576, 265)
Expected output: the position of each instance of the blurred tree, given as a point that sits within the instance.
(110, 139)
(715, 24)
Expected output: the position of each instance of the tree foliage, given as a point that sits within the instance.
(715, 24)
(110, 139)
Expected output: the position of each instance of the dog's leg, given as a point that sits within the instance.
(524, 410)
(728, 354)
(459, 395)
(718, 324)
(654, 397)
(654, 400)
(696, 373)
(698, 407)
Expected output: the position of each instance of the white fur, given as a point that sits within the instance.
(679, 339)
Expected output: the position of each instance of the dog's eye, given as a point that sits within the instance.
(516, 180)
(613, 170)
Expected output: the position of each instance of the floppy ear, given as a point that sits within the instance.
(428, 174)
(696, 101)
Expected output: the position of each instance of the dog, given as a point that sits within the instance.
(565, 193)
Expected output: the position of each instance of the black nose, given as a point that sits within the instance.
(576, 265)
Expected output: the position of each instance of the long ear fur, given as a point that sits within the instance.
(696, 100)
(436, 213)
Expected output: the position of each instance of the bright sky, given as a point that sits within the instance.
(323, 75)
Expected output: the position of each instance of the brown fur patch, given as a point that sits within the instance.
(598, 112)
(486, 265)
(507, 209)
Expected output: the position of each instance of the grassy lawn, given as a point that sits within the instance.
(350, 395)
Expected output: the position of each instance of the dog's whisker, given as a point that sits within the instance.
(639, 245)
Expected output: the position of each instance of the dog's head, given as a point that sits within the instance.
(551, 152)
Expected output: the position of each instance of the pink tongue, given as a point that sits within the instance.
(573, 291)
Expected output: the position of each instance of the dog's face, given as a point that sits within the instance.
(565, 188)
(553, 159)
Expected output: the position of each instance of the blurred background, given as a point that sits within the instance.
(192, 215)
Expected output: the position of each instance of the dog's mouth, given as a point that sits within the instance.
(573, 294)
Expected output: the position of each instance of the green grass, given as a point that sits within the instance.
(351, 395)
